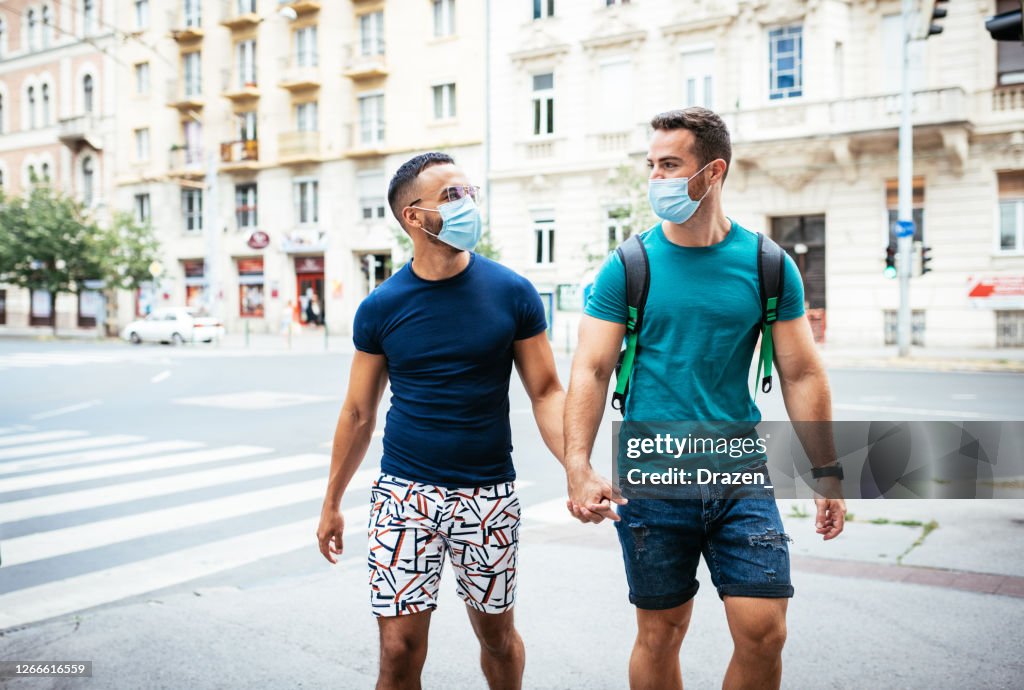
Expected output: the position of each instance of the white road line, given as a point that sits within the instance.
(914, 411)
(113, 470)
(41, 436)
(61, 446)
(105, 586)
(60, 542)
(110, 495)
(162, 376)
(11, 429)
(964, 396)
(65, 460)
(65, 410)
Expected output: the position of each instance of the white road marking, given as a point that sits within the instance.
(41, 436)
(65, 410)
(61, 446)
(252, 400)
(138, 450)
(914, 411)
(964, 396)
(111, 495)
(162, 376)
(11, 429)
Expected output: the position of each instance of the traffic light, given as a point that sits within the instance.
(932, 10)
(926, 259)
(890, 260)
(1007, 26)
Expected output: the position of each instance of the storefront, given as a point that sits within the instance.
(250, 288)
(309, 286)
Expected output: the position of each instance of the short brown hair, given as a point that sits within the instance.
(710, 135)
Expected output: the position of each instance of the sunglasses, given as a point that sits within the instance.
(459, 191)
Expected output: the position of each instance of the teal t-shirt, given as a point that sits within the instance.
(700, 327)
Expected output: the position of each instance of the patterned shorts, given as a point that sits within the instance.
(412, 527)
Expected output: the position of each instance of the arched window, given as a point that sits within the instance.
(1, 113)
(31, 19)
(3, 37)
(87, 93)
(87, 180)
(45, 88)
(47, 25)
(31, 174)
(31, 107)
(46, 172)
(1, 179)
(89, 15)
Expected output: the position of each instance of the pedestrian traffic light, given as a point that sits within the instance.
(933, 10)
(926, 259)
(890, 261)
(1007, 26)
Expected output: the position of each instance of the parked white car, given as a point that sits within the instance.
(175, 325)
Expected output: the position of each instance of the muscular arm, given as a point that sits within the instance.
(536, 366)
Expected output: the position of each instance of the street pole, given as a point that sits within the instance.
(904, 212)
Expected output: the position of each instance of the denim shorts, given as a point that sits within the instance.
(741, 537)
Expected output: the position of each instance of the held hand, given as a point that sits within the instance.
(831, 515)
(330, 533)
(591, 497)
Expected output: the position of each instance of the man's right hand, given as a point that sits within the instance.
(331, 533)
(591, 497)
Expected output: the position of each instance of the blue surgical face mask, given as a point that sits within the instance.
(670, 198)
(461, 225)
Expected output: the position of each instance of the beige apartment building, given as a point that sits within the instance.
(57, 104)
(810, 92)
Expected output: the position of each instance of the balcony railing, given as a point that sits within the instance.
(360, 64)
(298, 147)
(74, 130)
(184, 94)
(185, 26)
(300, 6)
(297, 77)
(239, 151)
(539, 148)
(618, 141)
(238, 14)
(238, 86)
(186, 161)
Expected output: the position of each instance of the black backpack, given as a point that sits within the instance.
(770, 275)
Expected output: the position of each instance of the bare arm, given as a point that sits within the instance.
(352, 435)
(536, 366)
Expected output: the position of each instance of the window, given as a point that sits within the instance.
(444, 17)
(89, 16)
(372, 208)
(785, 61)
(1, 113)
(3, 37)
(543, 8)
(305, 47)
(250, 287)
(88, 181)
(143, 211)
(246, 63)
(45, 91)
(47, 25)
(916, 327)
(616, 226)
(616, 102)
(246, 6)
(141, 14)
(1011, 211)
(247, 126)
(192, 209)
(193, 13)
(307, 202)
(1009, 54)
(1010, 328)
(444, 101)
(698, 78)
(371, 119)
(245, 206)
(544, 235)
(306, 116)
(45, 168)
(917, 205)
(192, 67)
(30, 20)
(142, 144)
(371, 34)
(193, 142)
(142, 78)
(544, 103)
(87, 93)
(610, 3)
(32, 107)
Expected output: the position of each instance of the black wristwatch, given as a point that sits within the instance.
(835, 470)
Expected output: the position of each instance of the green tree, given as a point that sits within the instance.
(632, 210)
(126, 250)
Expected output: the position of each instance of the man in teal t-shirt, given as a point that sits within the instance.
(693, 358)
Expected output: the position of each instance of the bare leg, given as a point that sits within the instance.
(403, 650)
(654, 664)
(758, 628)
(502, 654)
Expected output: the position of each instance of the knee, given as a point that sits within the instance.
(401, 650)
(499, 642)
(764, 641)
(662, 635)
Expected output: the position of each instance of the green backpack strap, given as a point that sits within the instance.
(634, 260)
(771, 265)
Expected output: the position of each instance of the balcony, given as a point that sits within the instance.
(75, 131)
(366, 140)
(618, 141)
(184, 96)
(185, 28)
(359, 64)
(540, 148)
(999, 110)
(295, 77)
(237, 88)
(186, 163)
(295, 148)
(304, 240)
(301, 7)
(239, 156)
(237, 18)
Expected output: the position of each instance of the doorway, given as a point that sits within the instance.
(309, 287)
(803, 238)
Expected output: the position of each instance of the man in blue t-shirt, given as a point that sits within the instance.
(694, 350)
(445, 329)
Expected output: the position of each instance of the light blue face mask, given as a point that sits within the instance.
(461, 225)
(670, 198)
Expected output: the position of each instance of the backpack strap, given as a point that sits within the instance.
(771, 272)
(634, 260)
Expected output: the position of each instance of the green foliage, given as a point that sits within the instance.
(485, 247)
(629, 182)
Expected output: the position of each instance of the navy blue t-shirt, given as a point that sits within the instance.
(448, 345)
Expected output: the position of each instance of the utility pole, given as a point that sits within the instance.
(904, 213)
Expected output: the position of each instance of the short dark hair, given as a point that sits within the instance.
(405, 177)
(710, 135)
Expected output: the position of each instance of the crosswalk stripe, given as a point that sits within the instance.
(60, 542)
(61, 597)
(64, 460)
(39, 436)
(11, 429)
(61, 446)
(112, 470)
(129, 491)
